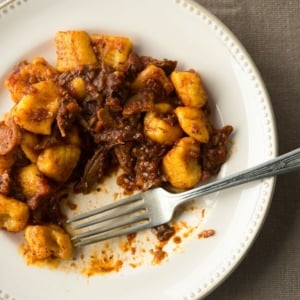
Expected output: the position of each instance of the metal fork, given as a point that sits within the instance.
(156, 206)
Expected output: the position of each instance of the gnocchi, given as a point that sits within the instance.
(181, 165)
(37, 110)
(34, 185)
(113, 50)
(47, 241)
(189, 87)
(73, 49)
(58, 162)
(14, 214)
(194, 122)
(158, 129)
(19, 82)
(152, 74)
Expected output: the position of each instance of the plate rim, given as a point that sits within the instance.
(237, 49)
(241, 55)
(9, 5)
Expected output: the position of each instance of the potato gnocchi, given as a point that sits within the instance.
(101, 107)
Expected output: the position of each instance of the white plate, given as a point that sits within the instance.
(184, 31)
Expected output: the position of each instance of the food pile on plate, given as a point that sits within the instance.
(102, 108)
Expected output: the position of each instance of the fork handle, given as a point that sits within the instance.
(285, 163)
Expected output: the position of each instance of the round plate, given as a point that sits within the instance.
(184, 31)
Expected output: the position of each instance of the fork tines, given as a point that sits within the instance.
(119, 218)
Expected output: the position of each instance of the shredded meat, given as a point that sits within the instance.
(9, 136)
(167, 65)
(163, 232)
(67, 113)
(134, 65)
(147, 167)
(123, 153)
(141, 102)
(214, 153)
(49, 211)
(116, 90)
(94, 171)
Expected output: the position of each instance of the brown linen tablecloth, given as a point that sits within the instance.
(270, 31)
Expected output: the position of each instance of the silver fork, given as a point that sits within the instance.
(156, 206)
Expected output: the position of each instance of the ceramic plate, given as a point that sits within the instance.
(190, 267)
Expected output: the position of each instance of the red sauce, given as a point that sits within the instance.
(206, 233)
